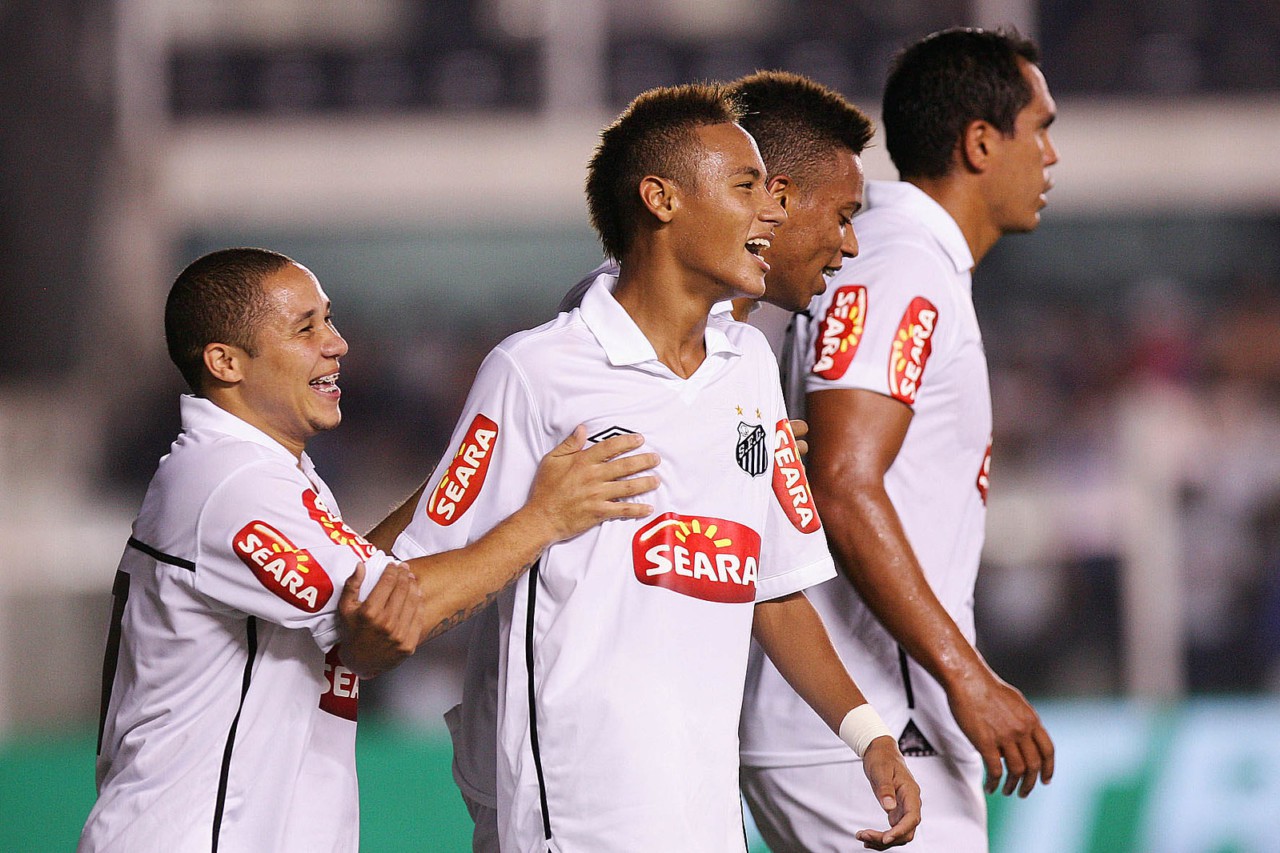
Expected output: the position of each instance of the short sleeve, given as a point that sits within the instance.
(878, 323)
(794, 554)
(490, 464)
(270, 546)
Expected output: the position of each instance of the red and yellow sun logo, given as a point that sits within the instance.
(334, 527)
(841, 332)
(289, 572)
(712, 559)
(911, 348)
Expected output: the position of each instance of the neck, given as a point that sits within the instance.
(742, 308)
(229, 401)
(670, 309)
(961, 199)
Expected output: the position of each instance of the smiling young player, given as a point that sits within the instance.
(228, 711)
(622, 656)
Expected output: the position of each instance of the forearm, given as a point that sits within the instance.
(793, 636)
(458, 584)
(384, 534)
(871, 548)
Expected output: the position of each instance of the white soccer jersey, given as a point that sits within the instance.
(898, 319)
(229, 721)
(621, 657)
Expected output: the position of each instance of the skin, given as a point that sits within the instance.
(997, 185)
(573, 490)
(693, 251)
(818, 234)
(675, 273)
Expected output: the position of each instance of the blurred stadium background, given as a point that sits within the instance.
(425, 158)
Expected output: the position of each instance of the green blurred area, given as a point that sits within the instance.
(1201, 776)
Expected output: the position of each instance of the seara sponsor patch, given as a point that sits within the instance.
(334, 527)
(911, 347)
(291, 573)
(707, 558)
(841, 332)
(341, 696)
(458, 488)
(790, 484)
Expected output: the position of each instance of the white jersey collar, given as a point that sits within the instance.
(934, 216)
(623, 342)
(200, 413)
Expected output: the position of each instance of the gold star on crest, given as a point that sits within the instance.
(739, 408)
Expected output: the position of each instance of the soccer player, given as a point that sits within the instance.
(900, 420)
(228, 711)
(622, 655)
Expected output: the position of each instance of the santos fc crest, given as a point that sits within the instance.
(752, 451)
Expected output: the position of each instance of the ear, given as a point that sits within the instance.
(978, 145)
(225, 363)
(660, 197)
(780, 187)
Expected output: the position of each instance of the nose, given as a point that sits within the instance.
(335, 346)
(849, 246)
(772, 212)
(1050, 150)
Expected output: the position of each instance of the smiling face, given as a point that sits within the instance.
(818, 234)
(726, 221)
(1020, 175)
(289, 387)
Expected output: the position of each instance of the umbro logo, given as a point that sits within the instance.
(913, 742)
(610, 433)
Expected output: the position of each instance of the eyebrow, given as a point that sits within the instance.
(308, 314)
(749, 170)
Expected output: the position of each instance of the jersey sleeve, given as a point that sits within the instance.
(876, 328)
(269, 546)
(486, 473)
(794, 554)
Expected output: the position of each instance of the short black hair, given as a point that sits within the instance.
(945, 81)
(798, 123)
(654, 135)
(218, 298)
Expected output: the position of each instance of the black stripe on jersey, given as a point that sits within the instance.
(251, 642)
(533, 705)
(906, 678)
(161, 556)
(111, 657)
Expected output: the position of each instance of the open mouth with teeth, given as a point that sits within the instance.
(327, 384)
(756, 246)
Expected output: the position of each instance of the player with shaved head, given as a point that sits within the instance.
(245, 609)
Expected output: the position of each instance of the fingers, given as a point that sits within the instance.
(991, 760)
(573, 443)
(799, 429)
(602, 451)
(350, 598)
(1045, 744)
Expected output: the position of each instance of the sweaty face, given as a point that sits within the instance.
(290, 385)
(727, 220)
(1021, 176)
(818, 234)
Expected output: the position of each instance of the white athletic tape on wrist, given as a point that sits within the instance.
(861, 726)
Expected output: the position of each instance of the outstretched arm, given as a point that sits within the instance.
(793, 636)
(855, 436)
(573, 491)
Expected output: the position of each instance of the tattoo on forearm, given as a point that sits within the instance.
(464, 613)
